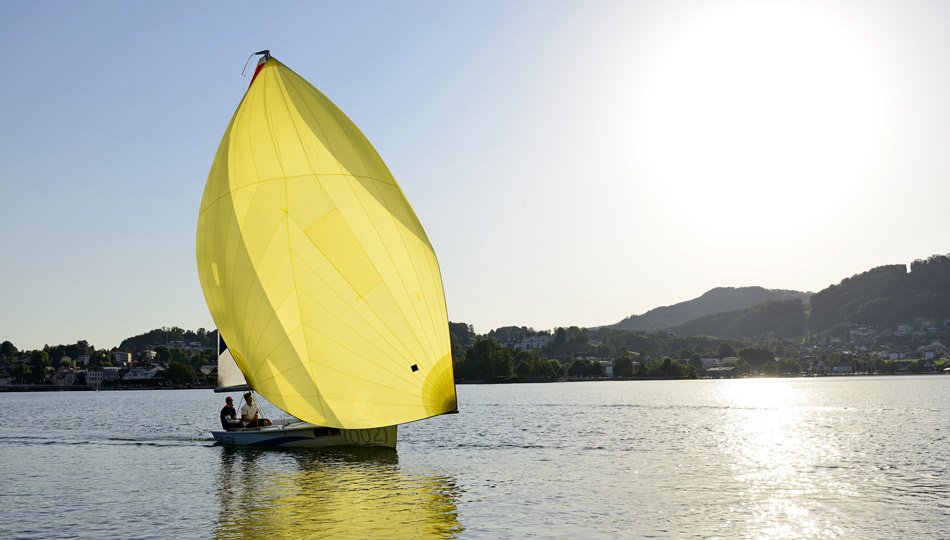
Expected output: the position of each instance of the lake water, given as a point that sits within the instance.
(844, 457)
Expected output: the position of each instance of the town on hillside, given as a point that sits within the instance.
(523, 354)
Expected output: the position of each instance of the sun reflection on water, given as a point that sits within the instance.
(775, 452)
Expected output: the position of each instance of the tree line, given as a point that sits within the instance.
(182, 366)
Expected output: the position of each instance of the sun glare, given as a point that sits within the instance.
(764, 117)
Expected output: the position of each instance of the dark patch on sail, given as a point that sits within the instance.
(414, 368)
(222, 346)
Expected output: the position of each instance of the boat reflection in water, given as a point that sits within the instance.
(356, 492)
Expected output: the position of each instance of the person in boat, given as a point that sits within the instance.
(229, 418)
(251, 413)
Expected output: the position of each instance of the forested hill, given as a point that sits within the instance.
(170, 337)
(781, 318)
(718, 300)
(883, 296)
(886, 295)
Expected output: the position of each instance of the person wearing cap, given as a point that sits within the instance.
(229, 415)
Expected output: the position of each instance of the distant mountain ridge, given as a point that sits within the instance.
(714, 301)
(883, 296)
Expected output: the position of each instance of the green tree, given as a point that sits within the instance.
(39, 361)
(7, 350)
(554, 370)
(696, 362)
(578, 369)
(623, 367)
(488, 361)
(529, 366)
(21, 372)
(725, 350)
(787, 366)
(756, 356)
(461, 336)
(180, 374)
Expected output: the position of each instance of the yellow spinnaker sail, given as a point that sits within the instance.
(315, 268)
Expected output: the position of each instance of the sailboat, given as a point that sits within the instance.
(321, 280)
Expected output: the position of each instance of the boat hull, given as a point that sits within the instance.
(305, 435)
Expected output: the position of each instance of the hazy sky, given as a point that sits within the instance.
(573, 163)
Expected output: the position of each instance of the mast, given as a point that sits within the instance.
(265, 56)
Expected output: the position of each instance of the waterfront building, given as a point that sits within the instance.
(121, 358)
(142, 373)
(94, 378)
(110, 373)
(64, 377)
(711, 362)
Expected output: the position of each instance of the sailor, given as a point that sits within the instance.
(251, 413)
(229, 415)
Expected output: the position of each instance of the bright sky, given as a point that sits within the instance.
(572, 163)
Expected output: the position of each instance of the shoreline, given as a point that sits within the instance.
(86, 388)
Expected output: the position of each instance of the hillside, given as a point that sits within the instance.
(780, 318)
(718, 300)
(886, 295)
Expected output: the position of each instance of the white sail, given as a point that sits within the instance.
(230, 377)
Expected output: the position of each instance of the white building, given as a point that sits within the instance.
(121, 358)
(538, 341)
(94, 378)
(64, 377)
(142, 374)
(711, 362)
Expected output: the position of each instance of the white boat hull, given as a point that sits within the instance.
(305, 435)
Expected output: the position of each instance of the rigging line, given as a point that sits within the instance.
(380, 199)
(246, 63)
